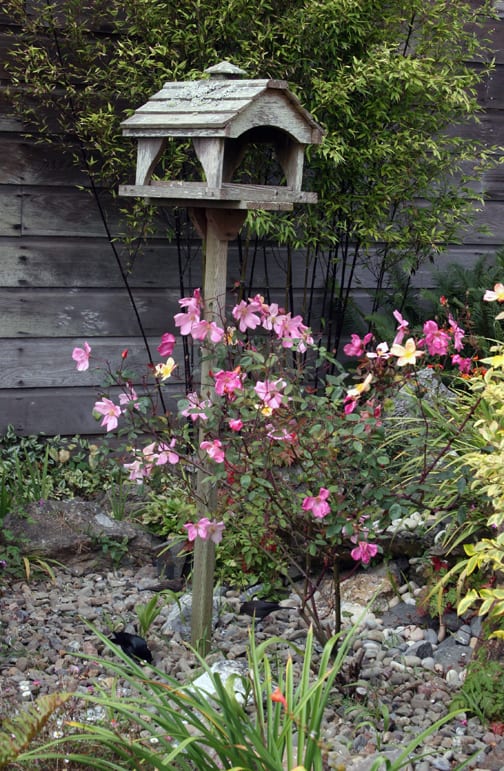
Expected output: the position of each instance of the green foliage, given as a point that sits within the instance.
(182, 727)
(463, 290)
(148, 613)
(161, 723)
(388, 81)
(34, 468)
(113, 547)
(167, 508)
(18, 732)
(482, 692)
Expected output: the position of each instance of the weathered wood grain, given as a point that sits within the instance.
(51, 411)
(72, 263)
(23, 162)
(10, 211)
(48, 363)
(76, 313)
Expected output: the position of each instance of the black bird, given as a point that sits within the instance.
(259, 608)
(133, 645)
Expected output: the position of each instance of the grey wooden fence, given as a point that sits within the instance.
(60, 282)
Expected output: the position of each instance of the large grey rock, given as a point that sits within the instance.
(77, 531)
(426, 386)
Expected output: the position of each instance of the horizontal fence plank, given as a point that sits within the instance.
(71, 262)
(48, 363)
(52, 411)
(8, 122)
(74, 263)
(10, 212)
(85, 313)
(77, 313)
(24, 162)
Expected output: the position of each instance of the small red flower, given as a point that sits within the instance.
(277, 696)
(124, 354)
(438, 564)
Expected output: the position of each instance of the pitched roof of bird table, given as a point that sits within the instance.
(222, 114)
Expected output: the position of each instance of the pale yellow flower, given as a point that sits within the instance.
(361, 388)
(496, 294)
(164, 371)
(408, 354)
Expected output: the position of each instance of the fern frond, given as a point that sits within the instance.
(17, 732)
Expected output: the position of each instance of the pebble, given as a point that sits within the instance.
(404, 668)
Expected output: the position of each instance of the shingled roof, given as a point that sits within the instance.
(222, 106)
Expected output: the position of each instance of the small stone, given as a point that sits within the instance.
(430, 635)
(421, 649)
(412, 661)
(476, 626)
(414, 633)
(462, 636)
(452, 678)
(441, 764)
(377, 635)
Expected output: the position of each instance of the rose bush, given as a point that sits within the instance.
(302, 470)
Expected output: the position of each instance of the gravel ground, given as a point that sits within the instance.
(406, 676)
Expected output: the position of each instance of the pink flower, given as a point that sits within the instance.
(129, 395)
(81, 356)
(235, 424)
(203, 329)
(401, 329)
(356, 346)
(167, 454)
(246, 314)
(137, 471)
(186, 321)
(349, 404)
(436, 340)
(228, 381)
(192, 303)
(292, 332)
(364, 552)
(208, 530)
(317, 504)
(272, 319)
(214, 450)
(457, 332)
(110, 412)
(281, 435)
(462, 363)
(269, 391)
(192, 315)
(195, 408)
(167, 345)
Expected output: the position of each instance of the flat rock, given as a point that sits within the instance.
(77, 531)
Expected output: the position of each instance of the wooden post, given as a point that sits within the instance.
(217, 227)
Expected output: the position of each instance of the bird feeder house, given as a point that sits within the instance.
(222, 115)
